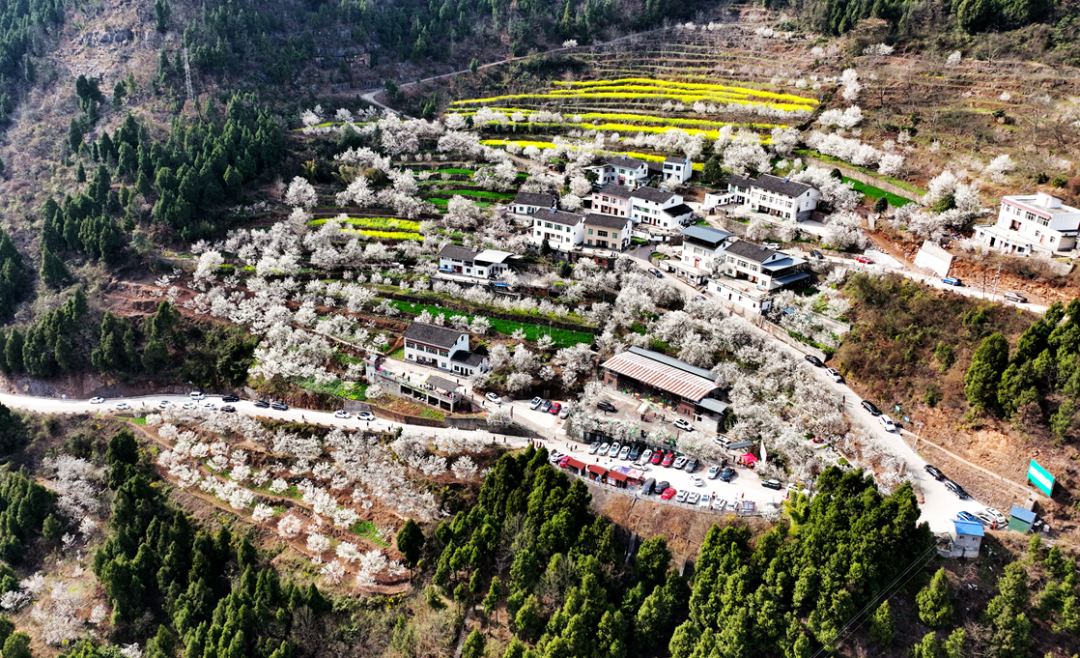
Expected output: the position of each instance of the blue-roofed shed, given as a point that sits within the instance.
(1021, 519)
(968, 541)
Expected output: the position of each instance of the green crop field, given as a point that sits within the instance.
(562, 337)
(876, 192)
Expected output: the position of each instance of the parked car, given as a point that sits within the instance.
(191, 405)
(698, 482)
(624, 454)
(645, 457)
(871, 407)
(96, 400)
(866, 260)
(668, 459)
(230, 398)
(934, 472)
(555, 457)
(683, 495)
(536, 402)
(494, 398)
(887, 423)
(693, 498)
(967, 516)
(680, 462)
(668, 494)
(594, 447)
(229, 409)
(727, 474)
(545, 406)
(279, 406)
(772, 484)
(655, 272)
(603, 449)
(565, 413)
(684, 425)
(342, 414)
(952, 281)
(209, 405)
(998, 517)
(719, 504)
(705, 501)
(604, 405)
(662, 485)
(714, 472)
(691, 465)
(835, 374)
(366, 416)
(123, 406)
(955, 488)
(555, 408)
(814, 361)
(564, 461)
(657, 457)
(613, 451)
(197, 396)
(1015, 297)
(164, 404)
(647, 487)
(814, 253)
(262, 404)
(987, 519)
(635, 452)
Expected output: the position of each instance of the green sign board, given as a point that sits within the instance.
(1041, 478)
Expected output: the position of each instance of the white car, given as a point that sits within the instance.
(887, 423)
(197, 395)
(613, 451)
(714, 472)
(191, 405)
(164, 404)
(999, 518)
(698, 482)
(536, 402)
(682, 496)
(693, 498)
(366, 416)
(705, 501)
(96, 400)
(603, 449)
(625, 452)
(342, 414)
(836, 376)
(683, 425)
(209, 405)
(645, 457)
(594, 447)
(123, 406)
(719, 504)
(494, 398)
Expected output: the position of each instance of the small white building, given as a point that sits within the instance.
(526, 203)
(622, 171)
(678, 170)
(1032, 225)
(607, 231)
(771, 195)
(443, 348)
(659, 209)
(487, 264)
(562, 230)
(703, 244)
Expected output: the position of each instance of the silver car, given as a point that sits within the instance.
(625, 452)
(613, 451)
(645, 457)
(693, 498)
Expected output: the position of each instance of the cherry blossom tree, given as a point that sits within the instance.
(301, 194)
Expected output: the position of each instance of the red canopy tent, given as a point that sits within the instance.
(749, 458)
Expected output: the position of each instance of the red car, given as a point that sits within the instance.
(563, 462)
(864, 259)
(556, 408)
(657, 457)
(668, 494)
(668, 458)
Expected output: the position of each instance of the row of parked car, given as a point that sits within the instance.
(989, 517)
(952, 486)
(549, 407)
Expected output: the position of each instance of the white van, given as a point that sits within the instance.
(887, 423)
(196, 395)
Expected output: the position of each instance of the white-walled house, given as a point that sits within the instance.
(607, 231)
(443, 348)
(563, 230)
(621, 171)
(703, 244)
(771, 195)
(659, 208)
(749, 274)
(484, 264)
(526, 203)
(678, 170)
(1032, 224)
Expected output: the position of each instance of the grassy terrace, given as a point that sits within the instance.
(810, 153)
(562, 337)
(876, 193)
(430, 296)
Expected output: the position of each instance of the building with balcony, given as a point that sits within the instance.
(771, 195)
(677, 170)
(621, 170)
(607, 231)
(481, 264)
(659, 209)
(1032, 225)
(612, 199)
(750, 272)
(428, 389)
(443, 348)
(562, 230)
(526, 203)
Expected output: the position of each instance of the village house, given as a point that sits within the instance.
(701, 245)
(678, 170)
(1032, 225)
(621, 171)
(526, 203)
(612, 199)
(443, 348)
(749, 273)
(768, 194)
(562, 230)
(659, 209)
(607, 232)
(485, 264)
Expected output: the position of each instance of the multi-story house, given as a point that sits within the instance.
(612, 199)
(659, 208)
(476, 263)
(769, 194)
(703, 244)
(607, 232)
(622, 171)
(678, 170)
(1032, 225)
(443, 348)
(750, 272)
(526, 203)
(562, 230)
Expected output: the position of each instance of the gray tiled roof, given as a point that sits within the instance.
(431, 334)
(468, 358)
(458, 252)
(652, 194)
(621, 191)
(559, 217)
(607, 221)
(770, 183)
(750, 251)
(626, 163)
(530, 199)
(671, 159)
(713, 236)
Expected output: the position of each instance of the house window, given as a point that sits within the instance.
(590, 231)
(615, 234)
(602, 234)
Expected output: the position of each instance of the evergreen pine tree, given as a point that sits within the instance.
(882, 627)
(935, 607)
(54, 273)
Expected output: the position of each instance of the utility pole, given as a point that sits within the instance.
(918, 433)
(997, 278)
(187, 76)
